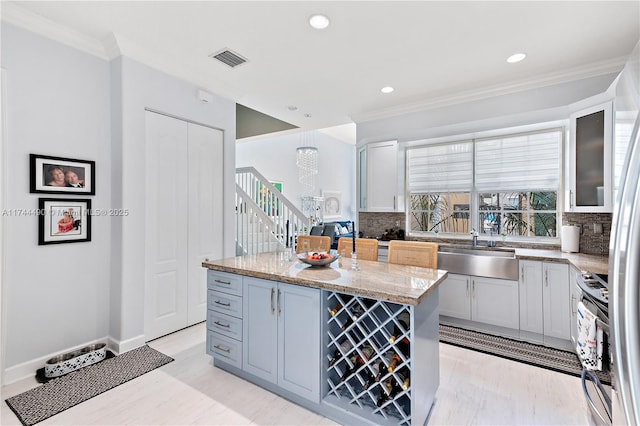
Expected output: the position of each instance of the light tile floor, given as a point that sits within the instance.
(475, 389)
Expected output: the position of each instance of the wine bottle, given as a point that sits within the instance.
(403, 347)
(358, 361)
(346, 346)
(404, 320)
(355, 312)
(405, 377)
(392, 390)
(373, 375)
(395, 359)
(335, 309)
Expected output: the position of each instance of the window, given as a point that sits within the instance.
(440, 212)
(440, 178)
(502, 185)
(524, 214)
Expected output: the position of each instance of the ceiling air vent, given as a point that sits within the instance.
(228, 57)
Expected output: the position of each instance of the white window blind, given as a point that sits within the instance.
(440, 168)
(519, 162)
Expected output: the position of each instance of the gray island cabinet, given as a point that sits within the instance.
(357, 346)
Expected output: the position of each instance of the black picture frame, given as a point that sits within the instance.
(53, 220)
(44, 170)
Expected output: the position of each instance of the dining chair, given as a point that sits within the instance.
(313, 243)
(367, 248)
(413, 253)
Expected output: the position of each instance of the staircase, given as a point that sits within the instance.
(262, 215)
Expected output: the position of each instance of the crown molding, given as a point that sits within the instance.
(26, 19)
(579, 73)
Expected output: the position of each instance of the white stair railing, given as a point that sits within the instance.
(263, 213)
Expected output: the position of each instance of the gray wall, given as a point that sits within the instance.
(66, 103)
(275, 158)
(57, 103)
(515, 109)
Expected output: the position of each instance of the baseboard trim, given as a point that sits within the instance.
(28, 369)
(121, 346)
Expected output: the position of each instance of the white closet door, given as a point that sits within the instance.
(166, 228)
(205, 213)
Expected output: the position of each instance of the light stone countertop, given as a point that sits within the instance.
(377, 280)
(598, 264)
(583, 262)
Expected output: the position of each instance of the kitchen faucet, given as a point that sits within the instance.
(475, 237)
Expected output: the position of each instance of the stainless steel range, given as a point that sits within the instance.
(595, 297)
(596, 289)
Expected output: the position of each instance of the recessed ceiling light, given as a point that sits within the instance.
(292, 108)
(387, 89)
(318, 21)
(307, 115)
(516, 57)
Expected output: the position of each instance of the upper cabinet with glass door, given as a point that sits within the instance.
(378, 177)
(590, 172)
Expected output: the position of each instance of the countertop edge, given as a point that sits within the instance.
(372, 294)
(581, 261)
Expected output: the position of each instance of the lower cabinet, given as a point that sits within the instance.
(281, 335)
(576, 295)
(224, 317)
(545, 306)
(486, 300)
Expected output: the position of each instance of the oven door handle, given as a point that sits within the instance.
(601, 391)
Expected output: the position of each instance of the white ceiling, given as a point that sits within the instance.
(432, 52)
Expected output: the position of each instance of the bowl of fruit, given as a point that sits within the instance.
(317, 258)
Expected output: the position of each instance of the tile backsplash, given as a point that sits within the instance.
(374, 224)
(591, 242)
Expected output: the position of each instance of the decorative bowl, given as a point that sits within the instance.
(320, 262)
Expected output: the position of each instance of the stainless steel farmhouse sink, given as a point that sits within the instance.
(479, 261)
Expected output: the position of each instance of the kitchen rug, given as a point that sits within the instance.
(528, 353)
(64, 392)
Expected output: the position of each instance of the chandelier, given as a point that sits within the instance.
(307, 162)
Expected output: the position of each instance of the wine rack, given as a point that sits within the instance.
(360, 350)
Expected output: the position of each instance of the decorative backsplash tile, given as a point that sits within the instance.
(591, 242)
(374, 224)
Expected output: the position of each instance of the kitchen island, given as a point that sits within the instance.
(358, 346)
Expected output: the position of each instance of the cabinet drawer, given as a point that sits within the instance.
(224, 324)
(224, 348)
(227, 283)
(224, 303)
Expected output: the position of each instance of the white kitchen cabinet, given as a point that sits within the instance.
(545, 306)
(455, 297)
(531, 309)
(486, 300)
(590, 178)
(576, 294)
(380, 166)
(281, 335)
(556, 300)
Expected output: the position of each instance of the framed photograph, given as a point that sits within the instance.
(57, 175)
(332, 204)
(63, 220)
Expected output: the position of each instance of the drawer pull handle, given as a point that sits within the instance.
(219, 324)
(223, 282)
(223, 304)
(220, 348)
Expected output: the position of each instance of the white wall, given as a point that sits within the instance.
(67, 103)
(55, 296)
(140, 87)
(275, 158)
